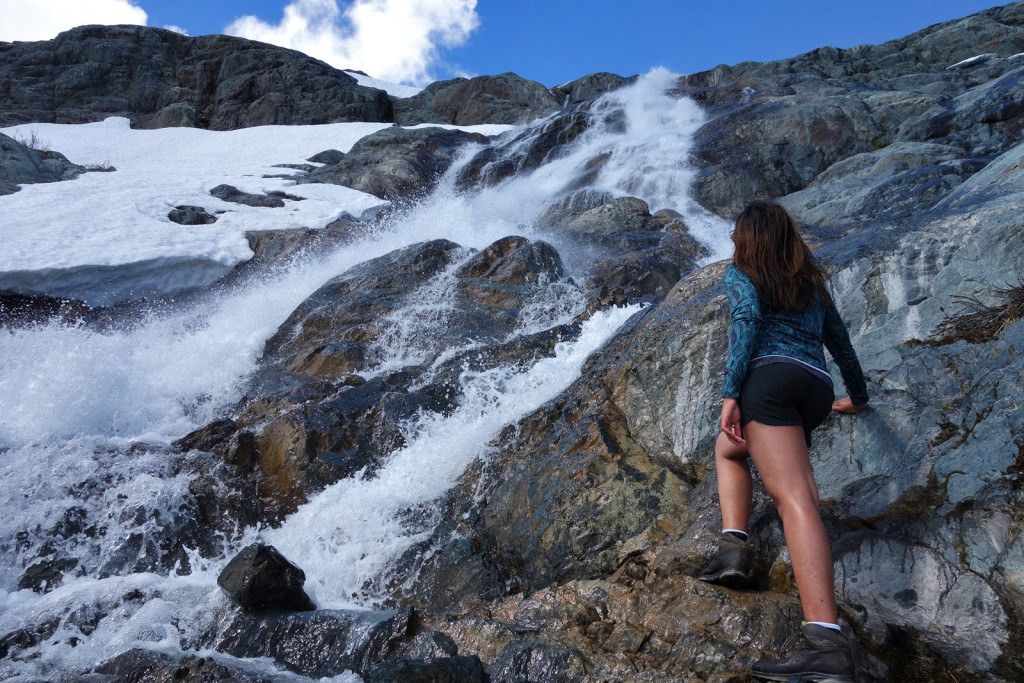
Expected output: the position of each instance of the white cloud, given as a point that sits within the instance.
(176, 29)
(44, 19)
(394, 40)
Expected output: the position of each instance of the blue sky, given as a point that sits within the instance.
(550, 41)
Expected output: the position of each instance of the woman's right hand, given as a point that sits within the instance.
(845, 405)
(730, 421)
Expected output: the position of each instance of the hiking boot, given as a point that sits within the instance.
(823, 655)
(730, 566)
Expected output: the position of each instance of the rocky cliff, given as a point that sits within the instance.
(567, 554)
(160, 78)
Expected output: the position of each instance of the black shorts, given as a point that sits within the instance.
(785, 394)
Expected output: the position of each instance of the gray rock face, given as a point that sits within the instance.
(505, 98)
(395, 162)
(590, 87)
(260, 577)
(776, 126)
(21, 165)
(160, 78)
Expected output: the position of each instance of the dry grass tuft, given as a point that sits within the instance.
(978, 322)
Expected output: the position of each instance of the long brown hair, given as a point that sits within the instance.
(778, 262)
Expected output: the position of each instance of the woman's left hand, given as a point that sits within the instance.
(730, 421)
(845, 405)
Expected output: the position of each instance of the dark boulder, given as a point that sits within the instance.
(157, 78)
(505, 98)
(328, 156)
(21, 164)
(260, 577)
(191, 215)
(396, 163)
(274, 200)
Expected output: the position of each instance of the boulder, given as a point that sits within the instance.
(21, 164)
(396, 163)
(259, 577)
(328, 156)
(191, 215)
(505, 98)
(158, 78)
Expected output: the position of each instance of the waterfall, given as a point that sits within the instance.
(87, 414)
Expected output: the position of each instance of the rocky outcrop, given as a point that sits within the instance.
(260, 577)
(777, 126)
(634, 254)
(315, 419)
(396, 163)
(526, 151)
(505, 98)
(21, 164)
(590, 87)
(159, 78)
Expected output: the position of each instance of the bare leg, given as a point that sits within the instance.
(735, 487)
(780, 454)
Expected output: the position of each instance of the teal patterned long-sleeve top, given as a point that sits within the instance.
(768, 337)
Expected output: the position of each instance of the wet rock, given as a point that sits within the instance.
(537, 662)
(17, 310)
(633, 253)
(21, 164)
(260, 577)
(191, 215)
(396, 162)
(320, 643)
(505, 98)
(674, 628)
(147, 666)
(157, 78)
(43, 577)
(25, 638)
(526, 151)
(435, 670)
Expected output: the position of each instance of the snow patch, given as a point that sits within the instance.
(395, 89)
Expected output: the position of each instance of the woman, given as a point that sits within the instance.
(776, 391)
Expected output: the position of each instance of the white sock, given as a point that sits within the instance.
(734, 531)
(834, 627)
